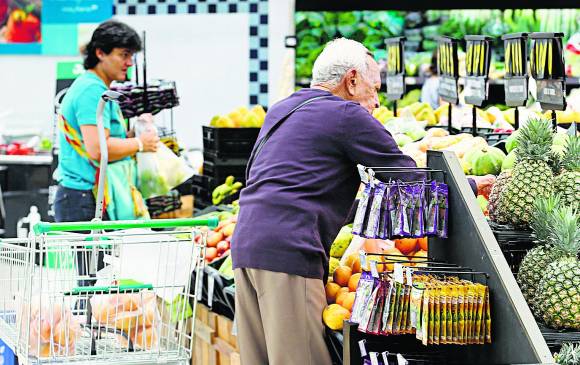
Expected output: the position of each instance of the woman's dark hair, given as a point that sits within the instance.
(110, 34)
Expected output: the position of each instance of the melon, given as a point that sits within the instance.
(509, 161)
(487, 160)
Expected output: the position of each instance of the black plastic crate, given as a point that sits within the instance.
(555, 338)
(514, 243)
(221, 172)
(230, 141)
(492, 138)
(223, 160)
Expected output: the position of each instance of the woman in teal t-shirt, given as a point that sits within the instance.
(107, 57)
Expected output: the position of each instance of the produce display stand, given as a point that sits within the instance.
(516, 338)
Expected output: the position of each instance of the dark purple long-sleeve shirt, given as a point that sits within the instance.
(304, 181)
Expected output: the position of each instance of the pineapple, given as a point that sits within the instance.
(538, 258)
(531, 176)
(498, 186)
(569, 354)
(557, 298)
(568, 182)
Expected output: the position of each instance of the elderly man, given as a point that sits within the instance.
(302, 180)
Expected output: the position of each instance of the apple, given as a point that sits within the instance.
(213, 238)
(210, 253)
(222, 247)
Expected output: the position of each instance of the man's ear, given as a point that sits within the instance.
(351, 81)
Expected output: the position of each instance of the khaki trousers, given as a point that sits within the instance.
(279, 318)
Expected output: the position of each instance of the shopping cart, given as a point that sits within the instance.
(136, 309)
(119, 294)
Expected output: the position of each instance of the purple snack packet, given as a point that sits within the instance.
(432, 211)
(359, 218)
(374, 325)
(372, 226)
(400, 212)
(418, 226)
(443, 209)
(363, 293)
(392, 203)
(383, 231)
(407, 207)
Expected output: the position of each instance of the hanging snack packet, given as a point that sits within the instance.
(432, 211)
(454, 313)
(383, 232)
(368, 311)
(487, 317)
(418, 224)
(399, 222)
(479, 315)
(449, 313)
(392, 210)
(372, 226)
(437, 315)
(443, 318)
(442, 218)
(461, 314)
(470, 315)
(405, 311)
(415, 306)
(407, 200)
(431, 330)
(374, 325)
(364, 292)
(386, 307)
(361, 211)
(423, 335)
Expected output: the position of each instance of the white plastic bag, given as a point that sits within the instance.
(161, 171)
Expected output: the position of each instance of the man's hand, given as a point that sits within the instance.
(484, 184)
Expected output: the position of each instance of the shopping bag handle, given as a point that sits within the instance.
(45, 227)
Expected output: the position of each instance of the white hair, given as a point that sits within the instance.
(338, 57)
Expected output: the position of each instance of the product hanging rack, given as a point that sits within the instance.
(516, 76)
(448, 71)
(395, 78)
(477, 62)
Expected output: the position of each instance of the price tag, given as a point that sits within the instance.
(448, 89)
(395, 87)
(385, 355)
(551, 94)
(210, 286)
(516, 91)
(475, 90)
(362, 347)
(401, 360)
(374, 358)
(363, 258)
(398, 273)
(374, 270)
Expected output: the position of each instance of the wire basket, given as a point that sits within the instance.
(106, 297)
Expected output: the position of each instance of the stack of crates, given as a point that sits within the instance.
(226, 152)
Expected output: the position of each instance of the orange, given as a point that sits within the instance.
(339, 293)
(331, 290)
(348, 301)
(397, 255)
(334, 316)
(423, 243)
(353, 261)
(342, 296)
(353, 282)
(406, 245)
(342, 275)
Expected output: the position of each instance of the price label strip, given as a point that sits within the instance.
(395, 77)
(516, 78)
(477, 66)
(547, 67)
(447, 64)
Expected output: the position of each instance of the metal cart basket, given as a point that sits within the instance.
(134, 307)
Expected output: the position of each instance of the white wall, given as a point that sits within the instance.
(281, 59)
(206, 54)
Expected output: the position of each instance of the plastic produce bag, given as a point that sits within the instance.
(51, 328)
(160, 171)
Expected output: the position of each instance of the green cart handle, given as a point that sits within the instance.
(108, 289)
(44, 227)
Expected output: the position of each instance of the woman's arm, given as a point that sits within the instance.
(118, 148)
